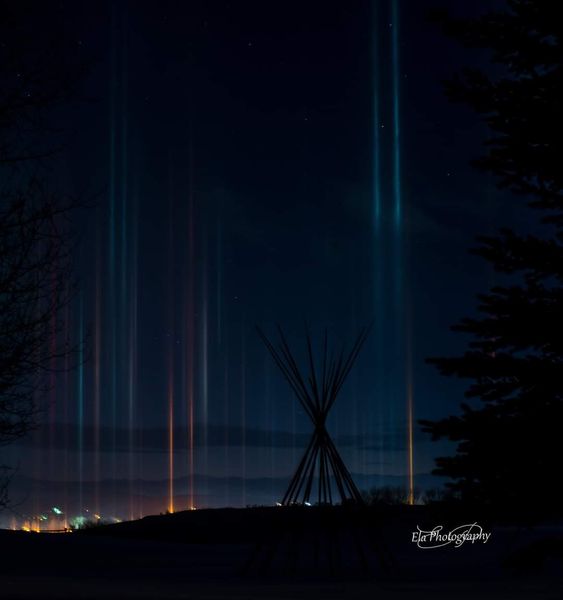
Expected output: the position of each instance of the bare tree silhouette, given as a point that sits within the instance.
(39, 71)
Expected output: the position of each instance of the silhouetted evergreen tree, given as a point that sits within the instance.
(509, 448)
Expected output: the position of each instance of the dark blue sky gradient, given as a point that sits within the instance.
(262, 114)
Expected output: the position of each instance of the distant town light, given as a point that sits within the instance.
(78, 522)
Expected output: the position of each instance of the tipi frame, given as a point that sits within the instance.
(317, 394)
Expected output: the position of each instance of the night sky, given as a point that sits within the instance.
(254, 163)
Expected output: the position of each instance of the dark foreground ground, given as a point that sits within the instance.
(282, 553)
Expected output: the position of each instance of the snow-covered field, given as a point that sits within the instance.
(309, 563)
